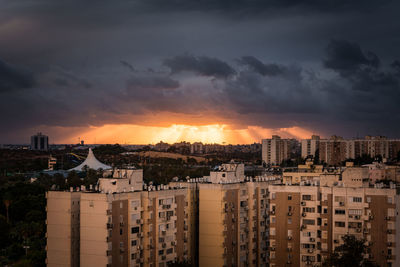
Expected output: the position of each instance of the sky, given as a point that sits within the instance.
(224, 71)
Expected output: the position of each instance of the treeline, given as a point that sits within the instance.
(22, 222)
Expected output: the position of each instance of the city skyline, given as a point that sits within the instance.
(137, 71)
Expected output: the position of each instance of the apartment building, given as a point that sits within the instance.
(275, 150)
(307, 223)
(225, 219)
(132, 228)
(335, 150)
(233, 224)
(309, 147)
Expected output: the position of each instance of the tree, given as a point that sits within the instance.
(351, 253)
(7, 202)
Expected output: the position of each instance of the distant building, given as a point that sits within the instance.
(275, 150)
(309, 147)
(335, 150)
(196, 148)
(39, 142)
(162, 146)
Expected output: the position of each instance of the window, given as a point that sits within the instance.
(340, 212)
(161, 252)
(309, 222)
(133, 256)
(368, 199)
(133, 243)
(308, 209)
(307, 197)
(355, 212)
(134, 230)
(389, 200)
(170, 250)
(289, 220)
(356, 199)
(340, 224)
(339, 198)
(120, 231)
(289, 232)
(168, 201)
(272, 231)
(121, 205)
(289, 197)
(273, 195)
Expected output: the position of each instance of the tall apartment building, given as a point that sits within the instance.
(225, 219)
(309, 147)
(137, 228)
(275, 150)
(39, 142)
(307, 223)
(335, 150)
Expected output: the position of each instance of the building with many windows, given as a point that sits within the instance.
(275, 150)
(39, 141)
(225, 219)
(149, 227)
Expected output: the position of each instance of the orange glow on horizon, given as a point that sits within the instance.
(213, 133)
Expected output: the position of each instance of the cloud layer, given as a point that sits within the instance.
(325, 66)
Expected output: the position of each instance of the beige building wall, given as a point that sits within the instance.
(355, 176)
(211, 225)
(96, 224)
(62, 228)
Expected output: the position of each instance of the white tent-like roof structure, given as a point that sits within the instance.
(91, 162)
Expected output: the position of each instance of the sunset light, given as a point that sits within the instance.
(213, 133)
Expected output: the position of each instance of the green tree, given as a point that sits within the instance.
(351, 253)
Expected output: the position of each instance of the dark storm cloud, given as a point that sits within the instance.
(204, 66)
(12, 77)
(361, 69)
(346, 57)
(127, 65)
(396, 65)
(283, 76)
(151, 82)
(262, 5)
(264, 69)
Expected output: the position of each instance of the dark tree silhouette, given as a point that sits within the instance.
(351, 253)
